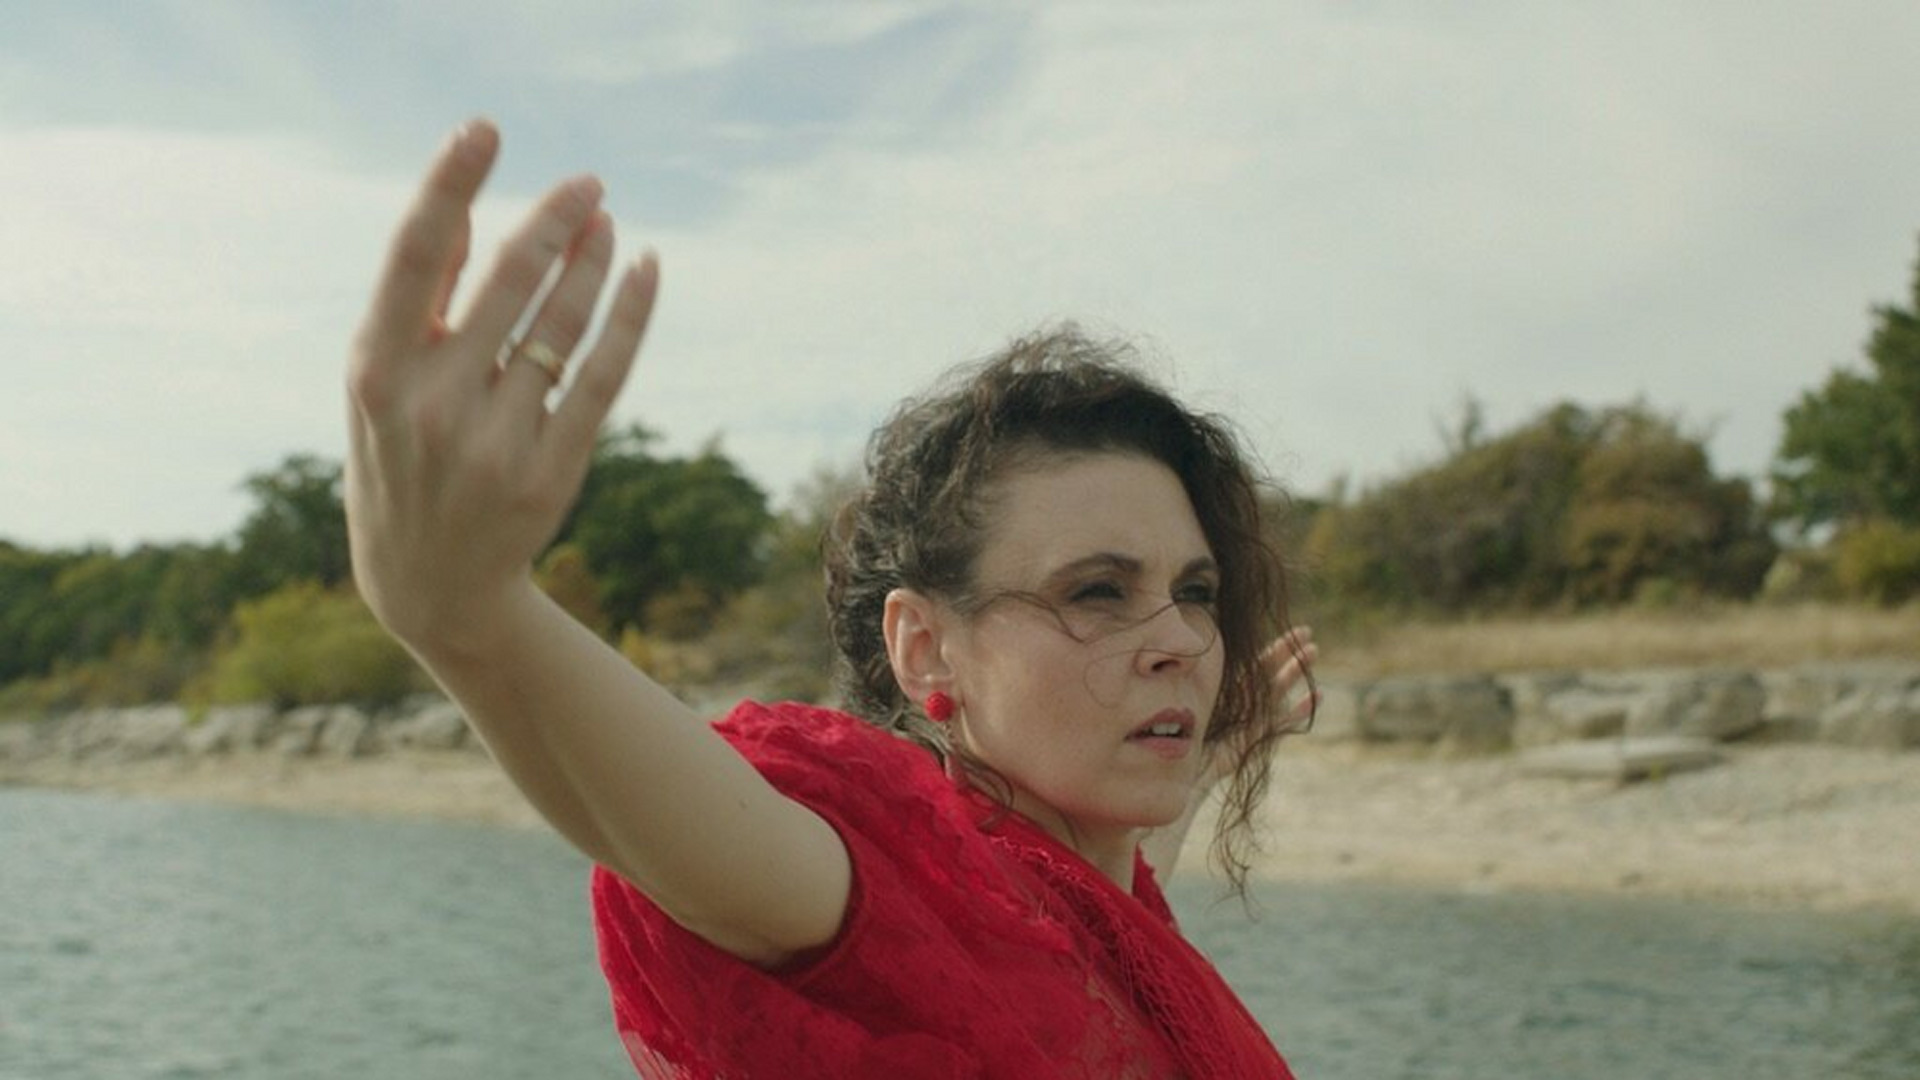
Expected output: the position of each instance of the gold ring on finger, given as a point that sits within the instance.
(543, 356)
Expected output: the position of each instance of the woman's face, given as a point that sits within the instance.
(1088, 679)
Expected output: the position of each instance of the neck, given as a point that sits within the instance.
(1110, 849)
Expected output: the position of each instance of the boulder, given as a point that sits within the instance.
(300, 729)
(1337, 718)
(1621, 760)
(22, 739)
(1878, 717)
(437, 724)
(1465, 713)
(86, 733)
(226, 728)
(1718, 705)
(1795, 700)
(1528, 693)
(150, 731)
(348, 733)
(1582, 712)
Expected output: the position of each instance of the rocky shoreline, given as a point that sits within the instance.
(1815, 802)
(1873, 705)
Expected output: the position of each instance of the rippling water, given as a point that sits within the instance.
(154, 940)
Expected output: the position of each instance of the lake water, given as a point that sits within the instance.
(153, 941)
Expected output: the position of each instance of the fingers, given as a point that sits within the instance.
(1300, 653)
(430, 244)
(1287, 653)
(1299, 714)
(562, 321)
(604, 371)
(555, 228)
(463, 242)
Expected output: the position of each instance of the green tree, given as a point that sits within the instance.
(30, 635)
(298, 528)
(1648, 511)
(1479, 527)
(1850, 451)
(775, 633)
(1577, 504)
(194, 594)
(155, 607)
(654, 527)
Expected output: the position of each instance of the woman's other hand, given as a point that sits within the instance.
(459, 473)
(1289, 659)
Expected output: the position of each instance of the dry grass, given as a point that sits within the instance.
(1725, 636)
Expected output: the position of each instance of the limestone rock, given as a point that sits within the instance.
(348, 733)
(226, 728)
(300, 730)
(434, 725)
(1881, 717)
(1466, 713)
(1582, 712)
(150, 731)
(1621, 759)
(1716, 705)
(1337, 718)
(1795, 700)
(21, 740)
(1528, 692)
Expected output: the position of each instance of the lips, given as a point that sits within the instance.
(1166, 724)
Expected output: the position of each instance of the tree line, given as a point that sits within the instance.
(1577, 506)
(1582, 506)
(656, 545)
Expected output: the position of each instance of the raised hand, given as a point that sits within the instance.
(459, 471)
(1288, 658)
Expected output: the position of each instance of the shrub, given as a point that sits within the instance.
(565, 576)
(137, 672)
(1576, 505)
(303, 644)
(1879, 561)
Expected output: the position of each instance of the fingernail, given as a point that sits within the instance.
(473, 140)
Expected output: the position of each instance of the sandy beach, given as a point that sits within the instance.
(1797, 826)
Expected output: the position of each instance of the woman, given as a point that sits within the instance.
(1054, 586)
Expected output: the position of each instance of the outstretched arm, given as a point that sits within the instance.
(459, 474)
(1289, 657)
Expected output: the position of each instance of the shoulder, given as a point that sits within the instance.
(794, 727)
(852, 772)
(790, 735)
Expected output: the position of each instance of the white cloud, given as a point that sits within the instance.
(181, 323)
(1333, 220)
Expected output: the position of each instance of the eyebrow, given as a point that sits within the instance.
(1125, 565)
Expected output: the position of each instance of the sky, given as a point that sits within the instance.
(1333, 222)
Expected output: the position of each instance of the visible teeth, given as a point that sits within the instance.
(1164, 729)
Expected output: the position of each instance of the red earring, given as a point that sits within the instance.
(939, 707)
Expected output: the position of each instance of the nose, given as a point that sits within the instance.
(1174, 639)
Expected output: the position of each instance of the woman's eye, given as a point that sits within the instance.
(1199, 593)
(1097, 591)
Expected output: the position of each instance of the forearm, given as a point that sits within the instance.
(553, 706)
(461, 471)
(635, 779)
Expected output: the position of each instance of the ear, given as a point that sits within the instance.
(915, 628)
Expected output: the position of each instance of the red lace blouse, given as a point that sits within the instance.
(974, 945)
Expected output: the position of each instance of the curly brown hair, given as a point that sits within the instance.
(921, 520)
